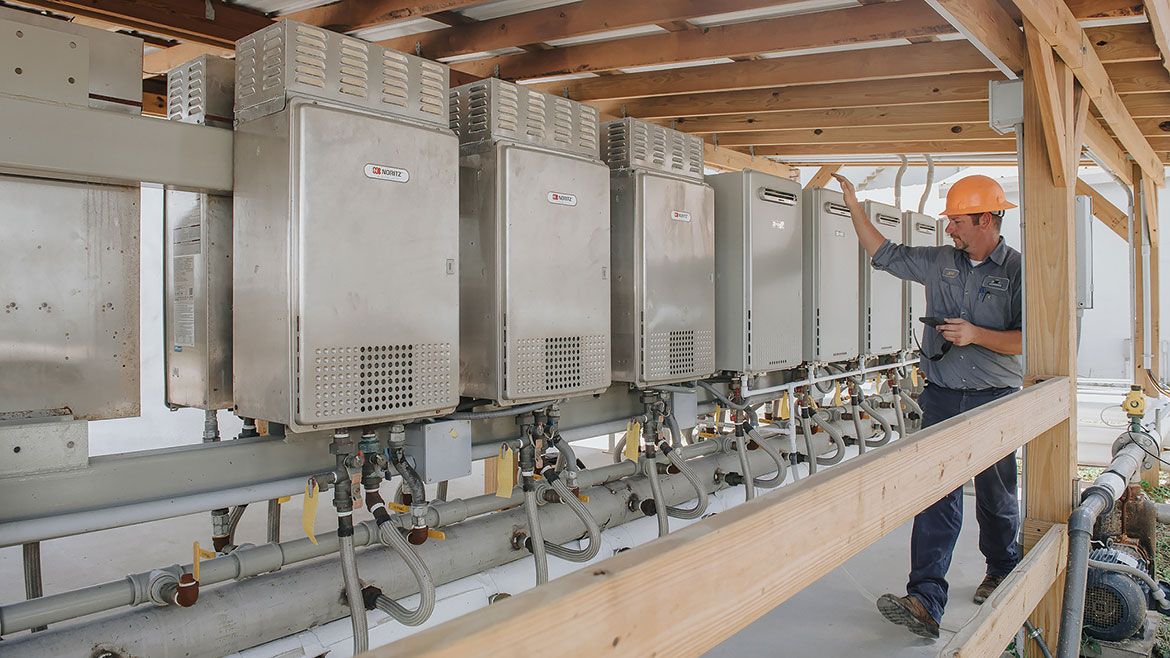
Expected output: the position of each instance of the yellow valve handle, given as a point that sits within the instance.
(914, 376)
(505, 472)
(837, 395)
(877, 384)
(633, 440)
(199, 553)
(785, 408)
(283, 499)
(436, 534)
(583, 498)
(398, 507)
(309, 515)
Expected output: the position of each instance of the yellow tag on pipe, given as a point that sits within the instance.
(505, 472)
(309, 515)
(785, 411)
(877, 384)
(914, 376)
(398, 507)
(837, 395)
(633, 440)
(283, 499)
(583, 498)
(436, 534)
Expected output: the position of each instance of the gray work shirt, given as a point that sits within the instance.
(986, 295)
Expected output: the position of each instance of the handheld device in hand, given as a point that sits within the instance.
(932, 321)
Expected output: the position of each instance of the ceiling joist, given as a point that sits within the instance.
(891, 148)
(348, 15)
(855, 135)
(209, 22)
(988, 27)
(885, 115)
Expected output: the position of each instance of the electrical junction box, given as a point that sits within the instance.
(686, 409)
(758, 272)
(70, 321)
(534, 301)
(439, 451)
(663, 254)
(881, 292)
(918, 230)
(197, 253)
(346, 232)
(831, 314)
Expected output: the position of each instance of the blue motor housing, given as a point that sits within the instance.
(1115, 603)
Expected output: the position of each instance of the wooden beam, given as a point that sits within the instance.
(886, 115)
(909, 91)
(1124, 43)
(989, 28)
(187, 20)
(1155, 127)
(349, 15)
(1051, 77)
(815, 30)
(1109, 214)
(1059, 27)
(823, 176)
(1075, 123)
(160, 62)
(1158, 12)
(1146, 106)
(1102, 145)
(1090, 9)
(1049, 326)
(1138, 77)
(560, 22)
(154, 105)
(1006, 610)
(730, 160)
(847, 66)
(958, 131)
(893, 148)
(634, 600)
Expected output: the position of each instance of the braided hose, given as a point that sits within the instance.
(749, 487)
(650, 468)
(591, 528)
(535, 536)
(681, 464)
(781, 463)
(393, 538)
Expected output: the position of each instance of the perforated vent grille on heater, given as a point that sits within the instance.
(380, 380)
(560, 364)
(680, 354)
(634, 143)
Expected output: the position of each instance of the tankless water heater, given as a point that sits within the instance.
(918, 230)
(758, 272)
(663, 254)
(830, 278)
(347, 232)
(534, 245)
(881, 292)
(197, 252)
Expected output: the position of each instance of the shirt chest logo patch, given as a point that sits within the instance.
(996, 283)
(950, 273)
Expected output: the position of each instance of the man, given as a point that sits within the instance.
(969, 360)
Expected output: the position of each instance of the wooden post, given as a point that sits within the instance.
(1050, 276)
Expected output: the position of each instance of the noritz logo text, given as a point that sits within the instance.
(680, 216)
(382, 172)
(562, 199)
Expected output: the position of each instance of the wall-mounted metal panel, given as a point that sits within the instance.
(346, 279)
(881, 309)
(830, 278)
(663, 256)
(69, 325)
(918, 230)
(758, 272)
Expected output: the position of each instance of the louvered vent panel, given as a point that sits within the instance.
(561, 364)
(309, 61)
(635, 143)
(395, 78)
(498, 110)
(372, 381)
(432, 88)
(354, 68)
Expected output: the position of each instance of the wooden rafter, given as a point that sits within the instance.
(1059, 27)
(560, 22)
(883, 115)
(1109, 214)
(187, 20)
(989, 28)
(1158, 12)
(908, 91)
(851, 135)
(347, 15)
(730, 160)
(901, 479)
(843, 26)
(823, 68)
(1138, 77)
(1090, 9)
(160, 62)
(1102, 145)
(1148, 106)
(823, 176)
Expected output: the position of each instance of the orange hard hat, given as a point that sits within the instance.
(974, 195)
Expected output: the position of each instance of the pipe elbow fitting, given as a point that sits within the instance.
(187, 592)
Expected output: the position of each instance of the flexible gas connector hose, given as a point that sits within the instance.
(749, 487)
(911, 402)
(535, 536)
(899, 414)
(392, 537)
(592, 530)
(808, 443)
(887, 430)
(353, 593)
(650, 468)
(822, 421)
(676, 437)
(619, 449)
(861, 439)
(681, 464)
(781, 463)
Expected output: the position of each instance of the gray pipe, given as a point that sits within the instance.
(898, 181)
(899, 413)
(353, 594)
(391, 537)
(749, 486)
(1097, 499)
(862, 440)
(781, 463)
(808, 442)
(910, 402)
(498, 413)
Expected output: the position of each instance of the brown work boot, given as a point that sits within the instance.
(986, 587)
(908, 611)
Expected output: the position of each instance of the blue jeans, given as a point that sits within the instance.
(936, 529)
